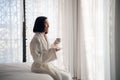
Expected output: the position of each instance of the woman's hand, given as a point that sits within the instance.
(57, 49)
(55, 44)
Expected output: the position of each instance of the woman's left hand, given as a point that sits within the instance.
(57, 49)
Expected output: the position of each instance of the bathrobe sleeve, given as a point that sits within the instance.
(41, 55)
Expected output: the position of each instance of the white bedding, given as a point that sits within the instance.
(20, 71)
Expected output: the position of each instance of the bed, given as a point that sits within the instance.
(20, 71)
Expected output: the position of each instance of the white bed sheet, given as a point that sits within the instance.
(20, 71)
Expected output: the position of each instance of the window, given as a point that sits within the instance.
(11, 27)
(10, 31)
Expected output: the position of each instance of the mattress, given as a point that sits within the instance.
(20, 71)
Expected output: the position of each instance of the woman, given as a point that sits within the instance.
(42, 53)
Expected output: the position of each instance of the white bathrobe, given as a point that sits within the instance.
(42, 55)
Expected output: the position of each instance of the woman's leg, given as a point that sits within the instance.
(66, 76)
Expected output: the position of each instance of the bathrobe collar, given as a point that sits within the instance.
(43, 38)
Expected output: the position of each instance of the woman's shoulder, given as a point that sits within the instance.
(35, 38)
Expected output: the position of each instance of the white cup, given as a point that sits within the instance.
(58, 40)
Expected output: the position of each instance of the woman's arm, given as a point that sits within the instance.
(39, 55)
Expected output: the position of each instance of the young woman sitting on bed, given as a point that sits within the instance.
(42, 53)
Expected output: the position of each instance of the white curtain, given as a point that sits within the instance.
(10, 31)
(70, 35)
(88, 38)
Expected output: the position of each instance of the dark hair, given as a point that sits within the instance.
(39, 25)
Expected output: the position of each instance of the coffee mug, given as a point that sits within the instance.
(58, 40)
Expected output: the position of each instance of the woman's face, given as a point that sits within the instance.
(46, 26)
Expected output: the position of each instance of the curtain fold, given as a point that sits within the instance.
(70, 37)
(88, 38)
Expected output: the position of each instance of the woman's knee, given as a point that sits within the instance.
(66, 76)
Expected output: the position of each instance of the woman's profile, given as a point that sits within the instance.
(42, 53)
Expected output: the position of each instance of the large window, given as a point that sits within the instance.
(10, 31)
(11, 27)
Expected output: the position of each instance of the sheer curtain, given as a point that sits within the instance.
(88, 38)
(98, 22)
(10, 31)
